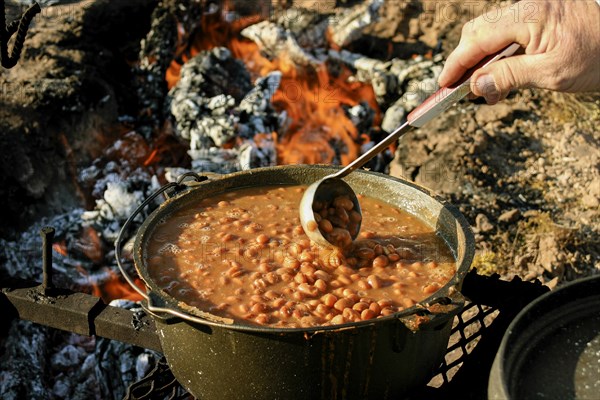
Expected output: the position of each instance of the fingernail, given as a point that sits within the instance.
(487, 87)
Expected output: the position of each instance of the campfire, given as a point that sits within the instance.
(219, 87)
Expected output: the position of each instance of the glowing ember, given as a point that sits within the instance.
(116, 288)
(90, 245)
(60, 248)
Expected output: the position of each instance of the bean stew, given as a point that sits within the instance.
(244, 255)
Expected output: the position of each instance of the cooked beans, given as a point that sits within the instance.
(338, 221)
(237, 257)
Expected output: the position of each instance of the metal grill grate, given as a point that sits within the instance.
(158, 384)
(468, 328)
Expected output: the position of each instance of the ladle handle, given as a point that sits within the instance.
(441, 100)
(433, 106)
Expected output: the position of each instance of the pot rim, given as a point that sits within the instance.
(447, 299)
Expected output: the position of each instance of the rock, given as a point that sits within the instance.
(531, 213)
(510, 216)
(530, 276)
(483, 223)
(590, 201)
(552, 283)
(549, 254)
(594, 187)
(523, 261)
(564, 178)
(494, 113)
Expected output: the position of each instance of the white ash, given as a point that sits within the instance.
(391, 79)
(394, 116)
(301, 33)
(23, 366)
(119, 191)
(399, 85)
(349, 24)
(204, 99)
(118, 365)
(157, 50)
(274, 41)
(215, 159)
(173, 173)
(257, 106)
(253, 156)
(118, 202)
(361, 116)
(215, 103)
(364, 67)
(68, 357)
(22, 258)
(309, 27)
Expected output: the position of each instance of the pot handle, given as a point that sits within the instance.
(430, 314)
(150, 308)
(424, 318)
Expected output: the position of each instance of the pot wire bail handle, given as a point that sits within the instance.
(124, 229)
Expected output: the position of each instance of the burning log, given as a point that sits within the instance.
(301, 33)
(399, 85)
(370, 70)
(350, 23)
(214, 104)
(274, 41)
(308, 26)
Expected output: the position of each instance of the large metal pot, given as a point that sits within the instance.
(382, 358)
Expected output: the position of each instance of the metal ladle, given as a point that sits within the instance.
(332, 186)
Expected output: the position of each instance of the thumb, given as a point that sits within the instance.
(495, 81)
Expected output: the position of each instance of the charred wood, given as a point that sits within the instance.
(23, 364)
(307, 25)
(275, 41)
(399, 85)
(349, 23)
(214, 103)
(158, 49)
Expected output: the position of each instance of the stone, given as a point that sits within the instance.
(590, 201)
(483, 224)
(552, 283)
(497, 112)
(531, 213)
(510, 216)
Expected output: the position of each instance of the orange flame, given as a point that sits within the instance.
(115, 288)
(313, 99)
(60, 248)
(90, 245)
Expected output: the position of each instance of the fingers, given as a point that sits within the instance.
(496, 80)
(483, 36)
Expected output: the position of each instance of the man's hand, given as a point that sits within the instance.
(561, 39)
